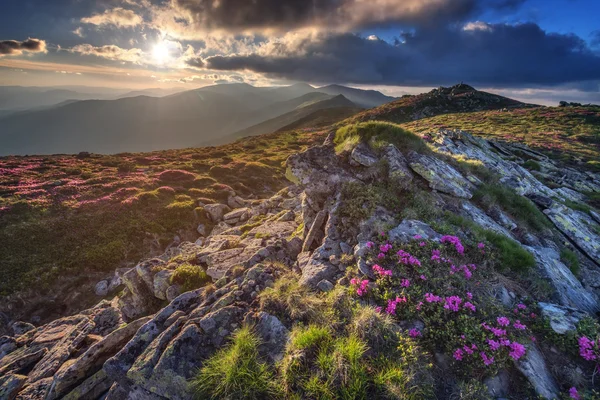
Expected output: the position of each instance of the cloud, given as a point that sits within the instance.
(478, 53)
(79, 32)
(14, 47)
(118, 17)
(195, 62)
(110, 52)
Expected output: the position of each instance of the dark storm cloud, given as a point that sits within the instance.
(478, 53)
(15, 47)
(196, 62)
(286, 15)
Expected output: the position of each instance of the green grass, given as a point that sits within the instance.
(190, 277)
(510, 254)
(532, 165)
(236, 372)
(378, 134)
(519, 207)
(571, 260)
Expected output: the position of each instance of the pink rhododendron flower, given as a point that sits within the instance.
(469, 295)
(452, 303)
(503, 321)
(493, 344)
(521, 306)
(362, 286)
(384, 248)
(422, 244)
(380, 256)
(574, 394)
(431, 298)
(486, 360)
(586, 349)
(423, 277)
(469, 306)
(518, 325)
(407, 259)
(455, 241)
(380, 271)
(458, 354)
(481, 246)
(405, 283)
(435, 255)
(517, 350)
(414, 333)
(419, 304)
(378, 309)
(370, 245)
(417, 237)
(467, 349)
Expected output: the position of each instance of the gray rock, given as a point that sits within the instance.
(325, 286)
(19, 327)
(235, 202)
(237, 215)
(534, 368)
(162, 281)
(570, 291)
(274, 335)
(287, 216)
(216, 211)
(440, 175)
(398, 169)
(579, 227)
(220, 228)
(172, 292)
(562, 319)
(569, 194)
(363, 155)
(345, 248)
(475, 214)
(101, 288)
(11, 385)
(201, 229)
(91, 388)
(408, 229)
(316, 230)
(314, 270)
(498, 386)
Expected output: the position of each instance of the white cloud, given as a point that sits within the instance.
(118, 17)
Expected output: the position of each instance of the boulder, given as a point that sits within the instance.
(325, 286)
(534, 368)
(19, 327)
(273, 333)
(440, 175)
(316, 230)
(562, 319)
(11, 385)
(398, 169)
(238, 215)
(162, 281)
(475, 214)
(363, 155)
(578, 226)
(216, 211)
(568, 288)
(101, 288)
(408, 229)
(235, 202)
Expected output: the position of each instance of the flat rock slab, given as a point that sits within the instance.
(440, 175)
(578, 226)
(278, 229)
(562, 319)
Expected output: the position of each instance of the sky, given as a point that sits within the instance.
(535, 50)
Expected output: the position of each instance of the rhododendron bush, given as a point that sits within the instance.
(439, 282)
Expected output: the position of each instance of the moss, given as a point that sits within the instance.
(190, 277)
(578, 206)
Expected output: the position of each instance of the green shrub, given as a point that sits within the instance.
(375, 328)
(532, 165)
(379, 133)
(190, 277)
(570, 259)
(236, 372)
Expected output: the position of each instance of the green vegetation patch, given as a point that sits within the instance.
(379, 134)
(190, 277)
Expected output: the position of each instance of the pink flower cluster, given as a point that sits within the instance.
(407, 259)
(380, 271)
(392, 304)
(466, 269)
(414, 333)
(452, 303)
(587, 349)
(361, 286)
(460, 249)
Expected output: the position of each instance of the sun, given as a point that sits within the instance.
(160, 52)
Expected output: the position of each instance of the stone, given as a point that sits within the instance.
(498, 386)
(162, 281)
(578, 226)
(91, 388)
(314, 270)
(363, 155)
(440, 175)
(220, 228)
(216, 211)
(534, 368)
(93, 359)
(235, 202)
(398, 169)
(408, 229)
(562, 319)
(140, 299)
(325, 286)
(19, 327)
(101, 288)
(475, 214)
(569, 194)
(172, 292)
(287, 216)
(568, 288)
(345, 248)
(315, 230)
(273, 333)
(201, 229)
(11, 385)
(237, 215)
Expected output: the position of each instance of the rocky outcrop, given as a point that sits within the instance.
(440, 175)
(562, 319)
(579, 227)
(533, 367)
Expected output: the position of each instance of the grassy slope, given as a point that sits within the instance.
(61, 214)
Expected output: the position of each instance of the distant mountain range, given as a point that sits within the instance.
(70, 121)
